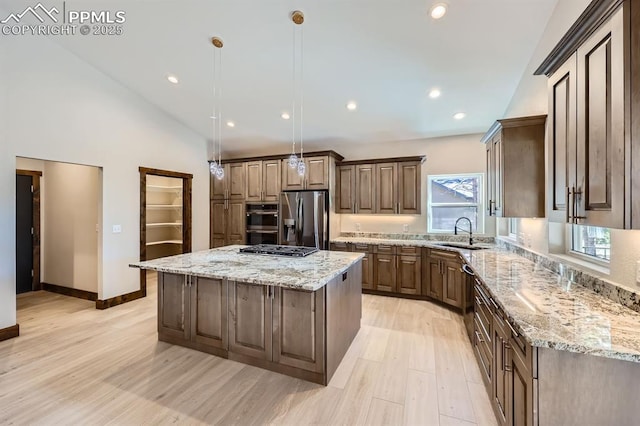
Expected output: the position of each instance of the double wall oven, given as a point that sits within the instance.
(262, 223)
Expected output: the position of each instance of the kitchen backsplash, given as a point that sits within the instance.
(425, 237)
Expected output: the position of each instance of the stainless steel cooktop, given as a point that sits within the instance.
(294, 251)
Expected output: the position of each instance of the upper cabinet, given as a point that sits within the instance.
(594, 112)
(315, 177)
(515, 167)
(232, 186)
(382, 186)
(263, 180)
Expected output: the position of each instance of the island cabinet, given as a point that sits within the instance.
(443, 278)
(228, 223)
(263, 180)
(315, 177)
(594, 114)
(193, 310)
(380, 186)
(515, 167)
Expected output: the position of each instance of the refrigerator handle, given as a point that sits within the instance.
(299, 224)
(316, 213)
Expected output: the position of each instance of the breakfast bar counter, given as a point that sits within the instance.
(294, 315)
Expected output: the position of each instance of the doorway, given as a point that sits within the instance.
(165, 217)
(27, 230)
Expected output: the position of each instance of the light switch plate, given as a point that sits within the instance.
(357, 226)
(117, 229)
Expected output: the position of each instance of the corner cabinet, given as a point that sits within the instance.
(381, 186)
(594, 112)
(443, 278)
(515, 167)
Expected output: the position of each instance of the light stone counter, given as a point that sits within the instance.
(308, 273)
(550, 311)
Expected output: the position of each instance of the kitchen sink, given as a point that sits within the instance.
(461, 246)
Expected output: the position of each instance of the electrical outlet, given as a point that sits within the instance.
(117, 229)
(405, 228)
(357, 226)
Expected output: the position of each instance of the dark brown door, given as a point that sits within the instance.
(409, 188)
(409, 274)
(317, 176)
(271, 176)
(218, 223)
(384, 271)
(386, 182)
(250, 321)
(235, 175)
(24, 234)
(365, 189)
(254, 181)
(346, 188)
(453, 282)
(236, 223)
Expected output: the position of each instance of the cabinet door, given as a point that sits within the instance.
(271, 177)
(173, 306)
(491, 178)
(236, 223)
(254, 181)
(346, 188)
(209, 312)
(365, 189)
(386, 183)
(218, 223)
(497, 175)
(235, 175)
(298, 329)
(453, 281)
(501, 387)
(409, 187)
(561, 139)
(409, 274)
(317, 176)
(367, 272)
(384, 272)
(250, 320)
(600, 196)
(435, 289)
(522, 389)
(291, 180)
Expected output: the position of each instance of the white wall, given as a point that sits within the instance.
(457, 154)
(71, 218)
(53, 106)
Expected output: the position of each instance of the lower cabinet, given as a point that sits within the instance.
(367, 264)
(193, 309)
(384, 272)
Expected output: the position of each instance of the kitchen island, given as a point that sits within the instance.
(295, 316)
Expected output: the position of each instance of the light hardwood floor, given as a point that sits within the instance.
(411, 363)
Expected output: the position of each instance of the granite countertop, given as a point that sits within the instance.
(308, 273)
(434, 243)
(548, 310)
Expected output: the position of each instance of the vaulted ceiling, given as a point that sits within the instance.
(385, 55)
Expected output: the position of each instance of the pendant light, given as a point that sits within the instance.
(216, 168)
(297, 17)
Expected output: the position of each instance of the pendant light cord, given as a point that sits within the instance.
(294, 93)
(220, 107)
(301, 88)
(214, 117)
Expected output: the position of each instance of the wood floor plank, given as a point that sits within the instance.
(481, 405)
(452, 421)
(421, 402)
(384, 413)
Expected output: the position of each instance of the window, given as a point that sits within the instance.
(454, 196)
(512, 228)
(591, 241)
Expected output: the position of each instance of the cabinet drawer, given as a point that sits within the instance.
(483, 312)
(385, 248)
(483, 354)
(444, 254)
(522, 350)
(361, 248)
(409, 250)
(339, 247)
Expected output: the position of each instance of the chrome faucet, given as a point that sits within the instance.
(470, 232)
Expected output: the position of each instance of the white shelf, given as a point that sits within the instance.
(163, 224)
(163, 188)
(164, 206)
(158, 243)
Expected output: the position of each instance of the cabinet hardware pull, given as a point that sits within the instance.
(506, 347)
(515, 333)
(576, 218)
(490, 202)
(567, 205)
(478, 301)
(354, 207)
(466, 269)
(478, 338)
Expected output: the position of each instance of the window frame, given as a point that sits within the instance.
(569, 238)
(512, 228)
(479, 204)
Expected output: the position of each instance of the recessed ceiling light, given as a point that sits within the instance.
(352, 106)
(231, 124)
(434, 93)
(172, 79)
(459, 115)
(285, 116)
(438, 10)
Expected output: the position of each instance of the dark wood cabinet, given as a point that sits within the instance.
(384, 272)
(409, 187)
(232, 186)
(263, 180)
(365, 188)
(515, 167)
(345, 189)
(443, 278)
(250, 320)
(367, 264)
(501, 391)
(173, 306)
(409, 274)
(316, 175)
(435, 278)
(453, 282)
(386, 193)
(228, 223)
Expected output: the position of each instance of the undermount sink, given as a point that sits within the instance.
(461, 246)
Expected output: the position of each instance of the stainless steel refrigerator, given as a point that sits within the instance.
(304, 219)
